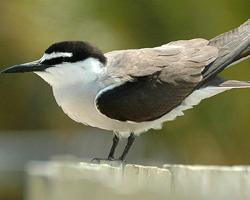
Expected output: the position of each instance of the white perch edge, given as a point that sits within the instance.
(60, 180)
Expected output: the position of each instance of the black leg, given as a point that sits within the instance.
(131, 140)
(111, 153)
(112, 150)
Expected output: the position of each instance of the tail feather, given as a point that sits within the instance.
(220, 82)
(232, 45)
(235, 84)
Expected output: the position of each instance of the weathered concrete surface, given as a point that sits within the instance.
(210, 182)
(77, 181)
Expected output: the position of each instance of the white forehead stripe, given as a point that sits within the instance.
(55, 55)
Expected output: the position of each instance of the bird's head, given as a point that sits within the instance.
(63, 59)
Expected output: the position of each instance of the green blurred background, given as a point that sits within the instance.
(215, 132)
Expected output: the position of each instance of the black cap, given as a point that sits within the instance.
(80, 51)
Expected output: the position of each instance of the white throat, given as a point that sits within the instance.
(75, 86)
(65, 74)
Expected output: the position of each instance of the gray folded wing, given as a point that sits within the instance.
(145, 84)
(148, 83)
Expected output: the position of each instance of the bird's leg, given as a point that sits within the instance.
(113, 147)
(131, 140)
(111, 153)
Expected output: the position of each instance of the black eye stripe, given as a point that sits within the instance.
(54, 61)
(59, 60)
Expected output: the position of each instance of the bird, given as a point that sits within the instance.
(131, 91)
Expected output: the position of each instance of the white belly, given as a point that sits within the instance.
(78, 103)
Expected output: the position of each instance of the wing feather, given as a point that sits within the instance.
(151, 82)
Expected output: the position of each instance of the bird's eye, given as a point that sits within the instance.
(54, 61)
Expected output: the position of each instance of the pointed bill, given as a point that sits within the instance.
(27, 67)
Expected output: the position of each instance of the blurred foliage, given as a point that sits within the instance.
(215, 132)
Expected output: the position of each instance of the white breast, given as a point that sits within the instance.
(75, 87)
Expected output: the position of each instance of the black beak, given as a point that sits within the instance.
(27, 67)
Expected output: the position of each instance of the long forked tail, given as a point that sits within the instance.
(233, 46)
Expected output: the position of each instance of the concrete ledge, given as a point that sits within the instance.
(78, 180)
(210, 182)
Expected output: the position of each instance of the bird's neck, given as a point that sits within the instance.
(68, 74)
